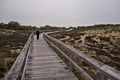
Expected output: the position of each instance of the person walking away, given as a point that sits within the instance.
(37, 34)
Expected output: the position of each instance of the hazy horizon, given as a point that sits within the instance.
(60, 12)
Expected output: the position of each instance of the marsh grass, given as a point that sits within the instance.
(99, 42)
(11, 43)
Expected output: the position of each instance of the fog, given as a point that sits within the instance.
(60, 12)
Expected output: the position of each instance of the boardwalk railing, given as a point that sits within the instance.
(81, 64)
(15, 71)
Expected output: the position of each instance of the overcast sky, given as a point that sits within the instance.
(60, 12)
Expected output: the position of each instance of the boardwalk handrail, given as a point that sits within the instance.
(15, 70)
(86, 76)
(27, 55)
(104, 70)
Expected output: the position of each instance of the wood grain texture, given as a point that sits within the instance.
(43, 63)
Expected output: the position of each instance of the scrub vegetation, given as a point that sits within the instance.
(12, 40)
(101, 42)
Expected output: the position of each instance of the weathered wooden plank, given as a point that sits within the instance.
(45, 66)
(83, 73)
(104, 69)
(15, 70)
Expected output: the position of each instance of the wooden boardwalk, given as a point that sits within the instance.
(43, 63)
(38, 61)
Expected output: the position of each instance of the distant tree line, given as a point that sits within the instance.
(79, 28)
(51, 28)
(98, 26)
(15, 25)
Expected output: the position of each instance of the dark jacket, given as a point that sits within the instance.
(37, 32)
